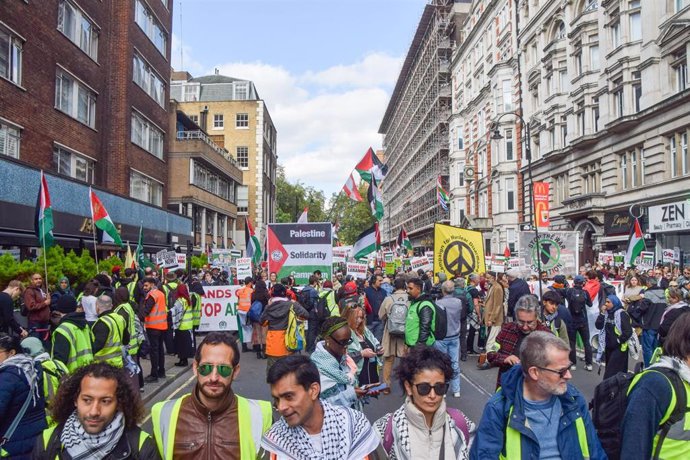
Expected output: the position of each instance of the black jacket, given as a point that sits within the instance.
(652, 308)
(516, 289)
(61, 345)
(426, 316)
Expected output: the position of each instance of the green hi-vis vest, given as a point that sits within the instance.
(111, 352)
(676, 444)
(80, 353)
(412, 324)
(130, 288)
(167, 288)
(187, 321)
(196, 309)
(330, 301)
(53, 371)
(255, 417)
(49, 432)
(130, 321)
(513, 445)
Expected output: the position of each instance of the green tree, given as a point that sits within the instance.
(353, 217)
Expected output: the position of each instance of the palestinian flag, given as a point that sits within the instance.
(102, 221)
(367, 242)
(43, 222)
(371, 165)
(441, 195)
(251, 243)
(636, 244)
(375, 200)
(403, 241)
(304, 217)
(350, 189)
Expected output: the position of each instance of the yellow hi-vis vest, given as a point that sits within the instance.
(53, 371)
(187, 321)
(130, 324)
(196, 308)
(255, 417)
(80, 353)
(112, 350)
(48, 433)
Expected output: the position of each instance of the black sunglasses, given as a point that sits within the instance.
(560, 373)
(344, 343)
(425, 388)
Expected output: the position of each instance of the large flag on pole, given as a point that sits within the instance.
(441, 194)
(367, 242)
(636, 244)
(350, 189)
(403, 241)
(139, 253)
(304, 217)
(43, 223)
(375, 200)
(371, 165)
(251, 243)
(101, 219)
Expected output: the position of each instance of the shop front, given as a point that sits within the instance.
(669, 223)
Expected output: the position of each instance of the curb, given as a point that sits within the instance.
(169, 380)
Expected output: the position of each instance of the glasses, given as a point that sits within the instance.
(526, 323)
(560, 373)
(224, 370)
(344, 343)
(425, 388)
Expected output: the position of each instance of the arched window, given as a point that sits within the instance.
(560, 30)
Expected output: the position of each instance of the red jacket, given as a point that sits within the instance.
(34, 300)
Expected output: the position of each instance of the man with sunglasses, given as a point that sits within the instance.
(536, 413)
(212, 421)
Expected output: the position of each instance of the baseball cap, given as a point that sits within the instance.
(579, 279)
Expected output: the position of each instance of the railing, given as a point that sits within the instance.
(200, 135)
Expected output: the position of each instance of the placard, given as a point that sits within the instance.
(667, 256)
(341, 253)
(219, 309)
(300, 249)
(556, 253)
(166, 259)
(357, 270)
(421, 262)
(244, 268)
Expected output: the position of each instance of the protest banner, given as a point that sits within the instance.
(219, 309)
(300, 249)
(357, 270)
(390, 268)
(645, 261)
(341, 253)
(244, 268)
(458, 250)
(667, 256)
(605, 258)
(422, 262)
(166, 259)
(556, 253)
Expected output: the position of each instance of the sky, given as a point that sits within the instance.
(325, 68)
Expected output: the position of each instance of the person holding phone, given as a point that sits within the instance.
(364, 350)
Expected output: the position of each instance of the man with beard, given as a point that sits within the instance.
(310, 427)
(504, 352)
(537, 414)
(212, 421)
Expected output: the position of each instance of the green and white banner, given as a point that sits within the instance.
(300, 249)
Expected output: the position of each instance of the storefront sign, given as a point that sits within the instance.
(219, 309)
(541, 204)
(672, 217)
(617, 223)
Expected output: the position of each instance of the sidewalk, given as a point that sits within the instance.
(172, 373)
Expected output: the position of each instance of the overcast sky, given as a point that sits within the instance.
(325, 68)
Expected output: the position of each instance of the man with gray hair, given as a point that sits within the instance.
(474, 320)
(450, 345)
(108, 333)
(537, 414)
(504, 353)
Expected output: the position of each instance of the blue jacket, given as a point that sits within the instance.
(489, 441)
(14, 388)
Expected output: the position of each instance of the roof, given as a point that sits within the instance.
(207, 79)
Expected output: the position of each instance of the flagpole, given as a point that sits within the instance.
(93, 227)
(45, 254)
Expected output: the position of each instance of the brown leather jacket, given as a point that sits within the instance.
(34, 300)
(204, 434)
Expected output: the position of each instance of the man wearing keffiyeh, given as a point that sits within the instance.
(310, 427)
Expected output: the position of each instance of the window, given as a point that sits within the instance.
(634, 170)
(242, 120)
(148, 80)
(635, 23)
(643, 167)
(78, 27)
(564, 131)
(69, 163)
(563, 79)
(483, 210)
(508, 134)
(243, 156)
(637, 90)
(616, 34)
(591, 178)
(680, 4)
(9, 140)
(145, 188)
(461, 175)
(674, 156)
(213, 183)
(481, 163)
(150, 25)
(594, 57)
(194, 118)
(507, 96)
(146, 135)
(241, 91)
(218, 122)
(578, 62)
(595, 114)
(560, 192)
(618, 98)
(580, 114)
(561, 31)
(10, 57)
(591, 5)
(680, 69)
(75, 99)
(684, 152)
(191, 93)
(624, 171)
(510, 194)
(242, 199)
(511, 239)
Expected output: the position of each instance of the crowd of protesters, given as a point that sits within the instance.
(70, 380)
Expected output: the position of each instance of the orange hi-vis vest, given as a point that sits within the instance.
(245, 298)
(158, 318)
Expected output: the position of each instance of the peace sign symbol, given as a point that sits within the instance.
(459, 257)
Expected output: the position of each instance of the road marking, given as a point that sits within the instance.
(170, 396)
(477, 387)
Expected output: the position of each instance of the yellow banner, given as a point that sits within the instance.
(458, 250)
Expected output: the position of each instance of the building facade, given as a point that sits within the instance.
(237, 119)
(83, 96)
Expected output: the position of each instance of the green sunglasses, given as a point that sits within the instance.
(224, 370)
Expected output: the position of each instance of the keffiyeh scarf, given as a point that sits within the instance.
(345, 434)
(677, 364)
(25, 366)
(82, 445)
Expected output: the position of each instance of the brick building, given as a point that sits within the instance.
(83, 96)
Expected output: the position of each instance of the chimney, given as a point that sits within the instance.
(217, 71)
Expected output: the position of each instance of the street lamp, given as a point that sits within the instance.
(528, 154)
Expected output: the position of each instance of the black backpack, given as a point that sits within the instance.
(441, 326)
(610, 401)
(304, 299)
(577, 301)
(321, 307)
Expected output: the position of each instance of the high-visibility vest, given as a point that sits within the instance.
(53, 371)
(80, 353)
(130, 324)
(48, 433)
(158, 317)
(196, 308)
(513, 445)
(332, 305)
(255, 417)
(167, 288)
(187, 321)
(130, 288)
(111, 352)
(244, 297)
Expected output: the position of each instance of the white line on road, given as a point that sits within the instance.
(477, 387)
(172, 395)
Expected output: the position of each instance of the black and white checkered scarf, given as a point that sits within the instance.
(82, 445)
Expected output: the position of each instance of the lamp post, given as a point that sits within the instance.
(528, 154)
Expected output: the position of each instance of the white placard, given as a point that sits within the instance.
(357, 270)
(219, 308)
(244, 268)
(421, 262)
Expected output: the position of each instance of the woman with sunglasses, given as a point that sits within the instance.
(424, 427)
(337, 369)
(364, 349)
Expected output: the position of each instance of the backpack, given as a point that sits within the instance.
(610, 401)
(304, 299)
(294, 334)
(441, 322)
(578, 301)
(396, 317)
(456, 416)
(255, 311)
(321, 308)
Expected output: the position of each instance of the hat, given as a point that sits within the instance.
(66, 304)
(513, 273)
(170, 276)
(579, 279)
(559, 279)
(116, 269)
(32, 346)
(350, 288)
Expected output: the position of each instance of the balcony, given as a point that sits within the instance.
(590, 205)
(481, 224)
(200, 135)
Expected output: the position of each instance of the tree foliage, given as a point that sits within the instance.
(293, 198)
(353, 217)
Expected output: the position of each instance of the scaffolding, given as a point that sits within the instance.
(415, 128)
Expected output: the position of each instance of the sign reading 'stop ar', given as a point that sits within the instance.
(300, 249)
